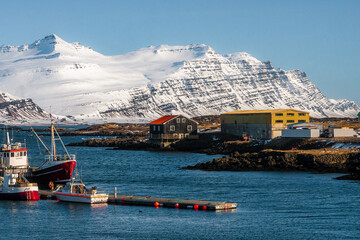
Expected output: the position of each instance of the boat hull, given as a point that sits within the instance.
(58, 171)
(25, 194)
(82, 198)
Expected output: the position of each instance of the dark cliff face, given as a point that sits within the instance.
(213, 86)
(12, 109)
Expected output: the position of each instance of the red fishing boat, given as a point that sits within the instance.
(56, 168)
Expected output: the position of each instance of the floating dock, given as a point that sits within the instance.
(171, 203)
(157, 202)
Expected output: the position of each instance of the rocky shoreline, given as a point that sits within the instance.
(277, 155)
(329, 161)
(322, 155)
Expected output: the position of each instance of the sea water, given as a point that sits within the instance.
(271, 205)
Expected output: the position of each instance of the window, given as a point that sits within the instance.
(178, 120)
(290, 121)
(12, 154)
(189, 128)
(290, 114)
(24, 154)
(278, 114)
(154, 128)
(159, 128)
(172, 127)
(21, 153)
(183, 120)
(279, 121)
(301, 121)
(302, 114)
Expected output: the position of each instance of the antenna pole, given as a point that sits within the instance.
(7, 138)
(53, 146)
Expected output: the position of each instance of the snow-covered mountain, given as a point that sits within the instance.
(193, 80)
(17, 110)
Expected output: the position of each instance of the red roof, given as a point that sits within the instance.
(163, 119)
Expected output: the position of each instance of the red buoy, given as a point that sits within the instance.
(196, 207)
(156, 204)
(177, 205)
(205, 208)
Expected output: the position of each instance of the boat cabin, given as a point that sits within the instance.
(76, 186)
(14, 155)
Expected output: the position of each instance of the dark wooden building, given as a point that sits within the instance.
(172, 128)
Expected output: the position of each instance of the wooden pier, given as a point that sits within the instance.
(157, 202)
(171, 203)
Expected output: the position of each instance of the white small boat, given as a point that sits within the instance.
(75, 191)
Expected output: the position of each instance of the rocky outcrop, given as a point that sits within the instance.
(336, 161)
(117, 144)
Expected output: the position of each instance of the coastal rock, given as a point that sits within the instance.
(268, 160)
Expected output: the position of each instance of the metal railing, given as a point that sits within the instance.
(60, 157)
(13, 146)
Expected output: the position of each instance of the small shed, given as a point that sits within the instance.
(300, 133)
(342, 132)
(302, 130)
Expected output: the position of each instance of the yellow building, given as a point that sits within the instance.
(260, 124)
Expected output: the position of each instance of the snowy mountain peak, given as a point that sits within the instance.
(47, 44)
(50, 44)
(144, 84)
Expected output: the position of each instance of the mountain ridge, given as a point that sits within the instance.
(153, 81)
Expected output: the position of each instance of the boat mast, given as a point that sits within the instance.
(53, 146)
(7, 138)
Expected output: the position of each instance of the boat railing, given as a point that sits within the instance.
(60, 157)
(13, 146)
(95, 191)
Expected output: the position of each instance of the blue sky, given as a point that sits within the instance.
(319, 37)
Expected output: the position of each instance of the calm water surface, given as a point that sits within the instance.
(271, 205)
